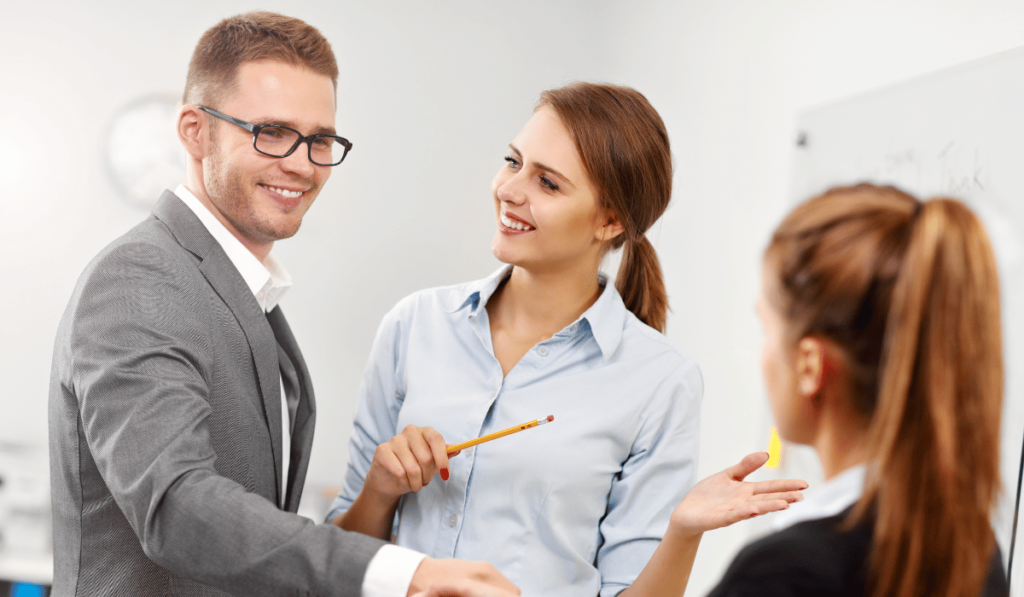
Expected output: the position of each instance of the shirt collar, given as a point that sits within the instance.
(605, 318)
(268, 280)
(828, 499)
(476, 294)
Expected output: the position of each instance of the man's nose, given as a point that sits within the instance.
(298, 163)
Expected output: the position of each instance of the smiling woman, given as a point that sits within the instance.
(576, 507)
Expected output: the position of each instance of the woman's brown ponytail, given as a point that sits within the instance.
(935, 434)
(909, 293)
(640, 283)
(625, 149)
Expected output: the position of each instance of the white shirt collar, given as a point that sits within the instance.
(268, 280)
(828, 499)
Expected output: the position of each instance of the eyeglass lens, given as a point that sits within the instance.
(277, 141)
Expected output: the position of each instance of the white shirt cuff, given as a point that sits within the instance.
(390, 572)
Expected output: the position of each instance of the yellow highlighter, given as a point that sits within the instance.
(486, 438)
(774, 450)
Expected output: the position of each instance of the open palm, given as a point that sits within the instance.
(725, 498)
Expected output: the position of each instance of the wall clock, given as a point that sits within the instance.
(142, 151)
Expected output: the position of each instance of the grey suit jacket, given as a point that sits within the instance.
(165, 431)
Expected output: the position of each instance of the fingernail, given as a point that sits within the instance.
(444, 474)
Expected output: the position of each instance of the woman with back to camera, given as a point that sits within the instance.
(576, 507)
(882, 350)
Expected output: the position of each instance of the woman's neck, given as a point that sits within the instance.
(541, 304)
(842, 442)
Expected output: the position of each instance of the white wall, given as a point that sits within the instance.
(430, 95)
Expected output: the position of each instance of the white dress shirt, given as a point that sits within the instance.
(828, 499)
(268, 282)
(391, 570)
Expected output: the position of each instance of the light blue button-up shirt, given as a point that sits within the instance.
(575, 507)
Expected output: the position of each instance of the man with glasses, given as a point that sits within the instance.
(181, 410)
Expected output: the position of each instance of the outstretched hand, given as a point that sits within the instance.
(725, 498)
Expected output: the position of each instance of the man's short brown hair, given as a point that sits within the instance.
(248, 37)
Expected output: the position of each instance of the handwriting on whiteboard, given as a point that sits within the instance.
(954, 169)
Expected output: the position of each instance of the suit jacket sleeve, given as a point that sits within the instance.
(142, 355)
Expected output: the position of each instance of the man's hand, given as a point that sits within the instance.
(466, 588)
(725, 498)
(458, 578)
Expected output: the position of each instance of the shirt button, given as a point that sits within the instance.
(452, 520)
(542, 351)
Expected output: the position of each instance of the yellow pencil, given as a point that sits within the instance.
(497, 434)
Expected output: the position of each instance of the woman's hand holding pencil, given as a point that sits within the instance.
(407, 462)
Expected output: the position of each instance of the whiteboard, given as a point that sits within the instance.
(959, 133)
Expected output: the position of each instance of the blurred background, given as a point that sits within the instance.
(430, 94)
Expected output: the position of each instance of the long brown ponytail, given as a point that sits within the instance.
(909, 292)
(624, 147)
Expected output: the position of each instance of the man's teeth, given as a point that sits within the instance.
(286, 192)
(514, 224)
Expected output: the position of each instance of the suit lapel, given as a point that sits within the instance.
(305, 414)
(229, 285)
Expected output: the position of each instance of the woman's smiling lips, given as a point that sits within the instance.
(512, 225)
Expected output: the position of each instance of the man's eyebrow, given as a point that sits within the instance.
(543, 167)
(324, 130)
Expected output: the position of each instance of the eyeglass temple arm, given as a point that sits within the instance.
(245, 125)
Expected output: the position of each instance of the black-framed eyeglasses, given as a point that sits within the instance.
(279, 141)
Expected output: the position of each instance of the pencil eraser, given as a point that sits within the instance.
(551, 418)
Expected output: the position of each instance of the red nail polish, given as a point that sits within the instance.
(444, 474)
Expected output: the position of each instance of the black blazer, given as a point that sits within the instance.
(813, 558)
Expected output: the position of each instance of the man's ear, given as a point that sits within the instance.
(610, 228)
(810, 366)
(193, 131)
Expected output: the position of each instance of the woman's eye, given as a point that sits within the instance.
(512, 162)
(544, 180)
